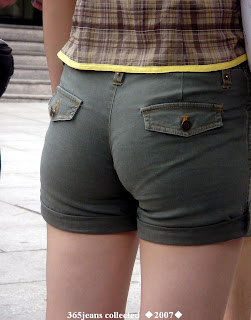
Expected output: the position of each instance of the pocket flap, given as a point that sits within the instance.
(182, 118)
(63, 105)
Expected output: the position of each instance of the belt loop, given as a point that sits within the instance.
(226, 78)
(117, 80)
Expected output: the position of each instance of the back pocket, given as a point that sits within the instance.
(182, 118)
(63, 105)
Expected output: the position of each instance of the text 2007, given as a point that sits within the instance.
(163, 315)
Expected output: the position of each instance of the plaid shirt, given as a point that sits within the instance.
(142, 33)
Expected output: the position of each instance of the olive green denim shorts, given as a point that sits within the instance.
(166, 154)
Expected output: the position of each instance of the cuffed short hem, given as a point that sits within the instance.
(92, 225)
(224, 231)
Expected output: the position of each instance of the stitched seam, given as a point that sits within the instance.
(182, 84)
(249, 165)
(62, 118)
(189, 228)
(249, 87)
(156, 125)
(66, 116)
(248, 76)
(184, 107)
(110, 114)
(73, 108)
(70, 98)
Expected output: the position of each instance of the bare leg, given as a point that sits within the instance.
(194, 280)
(239, 302)
(88, 273)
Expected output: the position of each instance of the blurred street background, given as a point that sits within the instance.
(22, 228)
(24, 120)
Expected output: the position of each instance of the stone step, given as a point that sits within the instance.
(21, 47)
(30, 53)
(29, 88)
(28, 67)
(29, 81)
(15, 26)
(12, 97)
(30, 61)
(30, 34)
(30, 74)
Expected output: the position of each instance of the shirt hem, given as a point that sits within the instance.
(151, 69)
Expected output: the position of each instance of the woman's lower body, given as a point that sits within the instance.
(156, 160)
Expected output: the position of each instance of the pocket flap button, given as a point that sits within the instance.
(53, 112)
(185, 123)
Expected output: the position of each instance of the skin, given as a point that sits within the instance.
(239, 302)
(92, 273)
(88, 273)
(57, 23)
(195, 280)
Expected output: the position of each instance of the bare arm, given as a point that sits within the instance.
(57, 23)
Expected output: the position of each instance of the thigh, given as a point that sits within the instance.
(192, 280)
(88, 273)
(239, 301)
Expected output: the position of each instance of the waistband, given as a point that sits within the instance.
(226, 75)
(243, 65)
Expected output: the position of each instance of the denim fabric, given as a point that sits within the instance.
(166, 154)
(248, 74)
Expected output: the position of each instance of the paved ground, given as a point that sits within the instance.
(22, 228)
